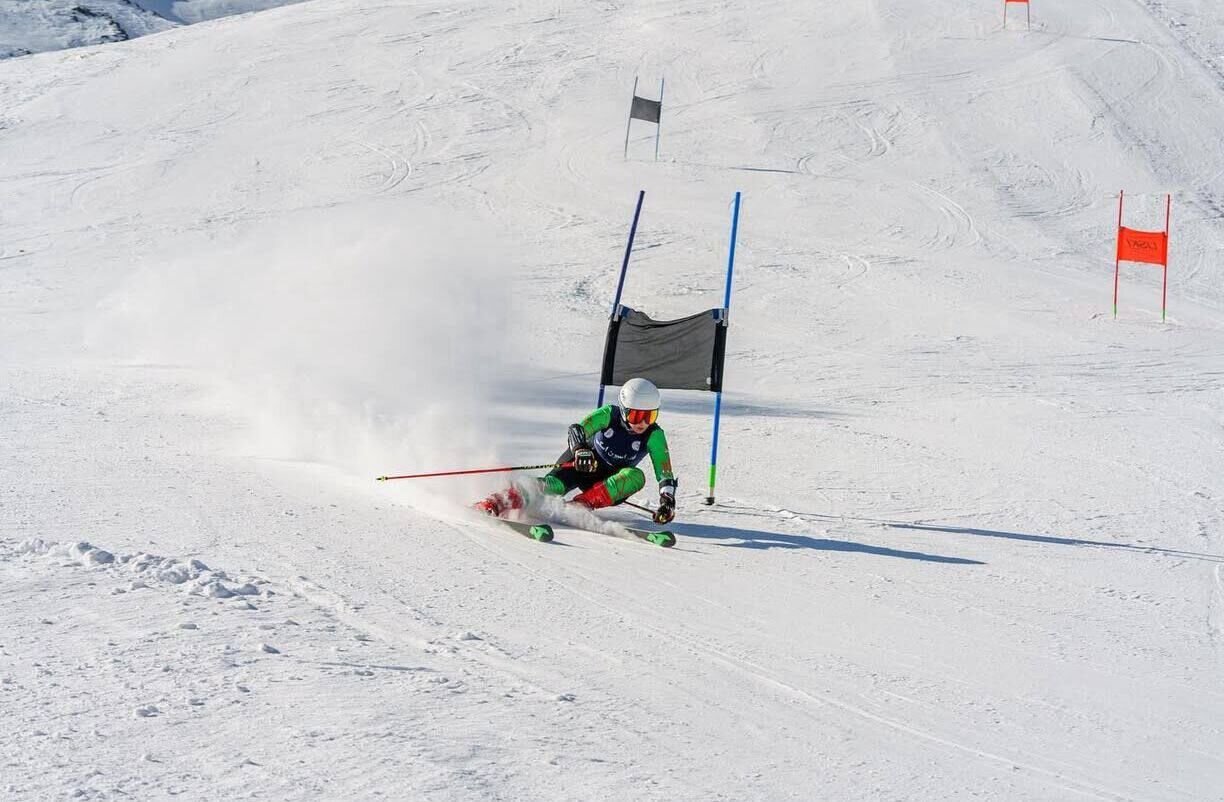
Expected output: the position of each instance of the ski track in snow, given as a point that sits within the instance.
(297, 623)
(967, 537)
(1064, 778)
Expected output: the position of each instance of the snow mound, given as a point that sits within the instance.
(192, 576)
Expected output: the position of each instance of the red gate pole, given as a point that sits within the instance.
(1028, 12)
(1164, 289)
(1118, 253)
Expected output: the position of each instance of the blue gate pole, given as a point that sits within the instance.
(727, 306)
(620, 285)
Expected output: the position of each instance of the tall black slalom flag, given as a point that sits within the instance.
(684, 354)
(645, 109)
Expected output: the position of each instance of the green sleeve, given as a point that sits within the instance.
(660, 457)
(598, 420)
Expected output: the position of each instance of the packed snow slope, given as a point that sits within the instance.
(968, 534)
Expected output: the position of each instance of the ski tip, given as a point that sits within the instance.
(542, 533)
(660, 538)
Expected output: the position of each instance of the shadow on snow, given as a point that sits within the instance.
(757, 539)
(978, 532)
(1061, 541)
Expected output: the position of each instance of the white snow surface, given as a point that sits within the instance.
(968, 540)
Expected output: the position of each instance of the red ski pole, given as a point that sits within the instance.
(475, 470)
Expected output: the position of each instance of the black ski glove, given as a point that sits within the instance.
(666, 511)
(577, 437)
(584, 460)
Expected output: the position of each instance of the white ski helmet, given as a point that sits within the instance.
(639, 394)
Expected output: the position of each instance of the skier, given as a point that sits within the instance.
(603, 453)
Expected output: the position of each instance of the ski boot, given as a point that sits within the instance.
(498, 504)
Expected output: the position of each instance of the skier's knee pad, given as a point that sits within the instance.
(553, 486)
(624, 483)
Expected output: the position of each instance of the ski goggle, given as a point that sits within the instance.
(636, 416)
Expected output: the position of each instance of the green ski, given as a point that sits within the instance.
(541, 532)
(659, 537)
